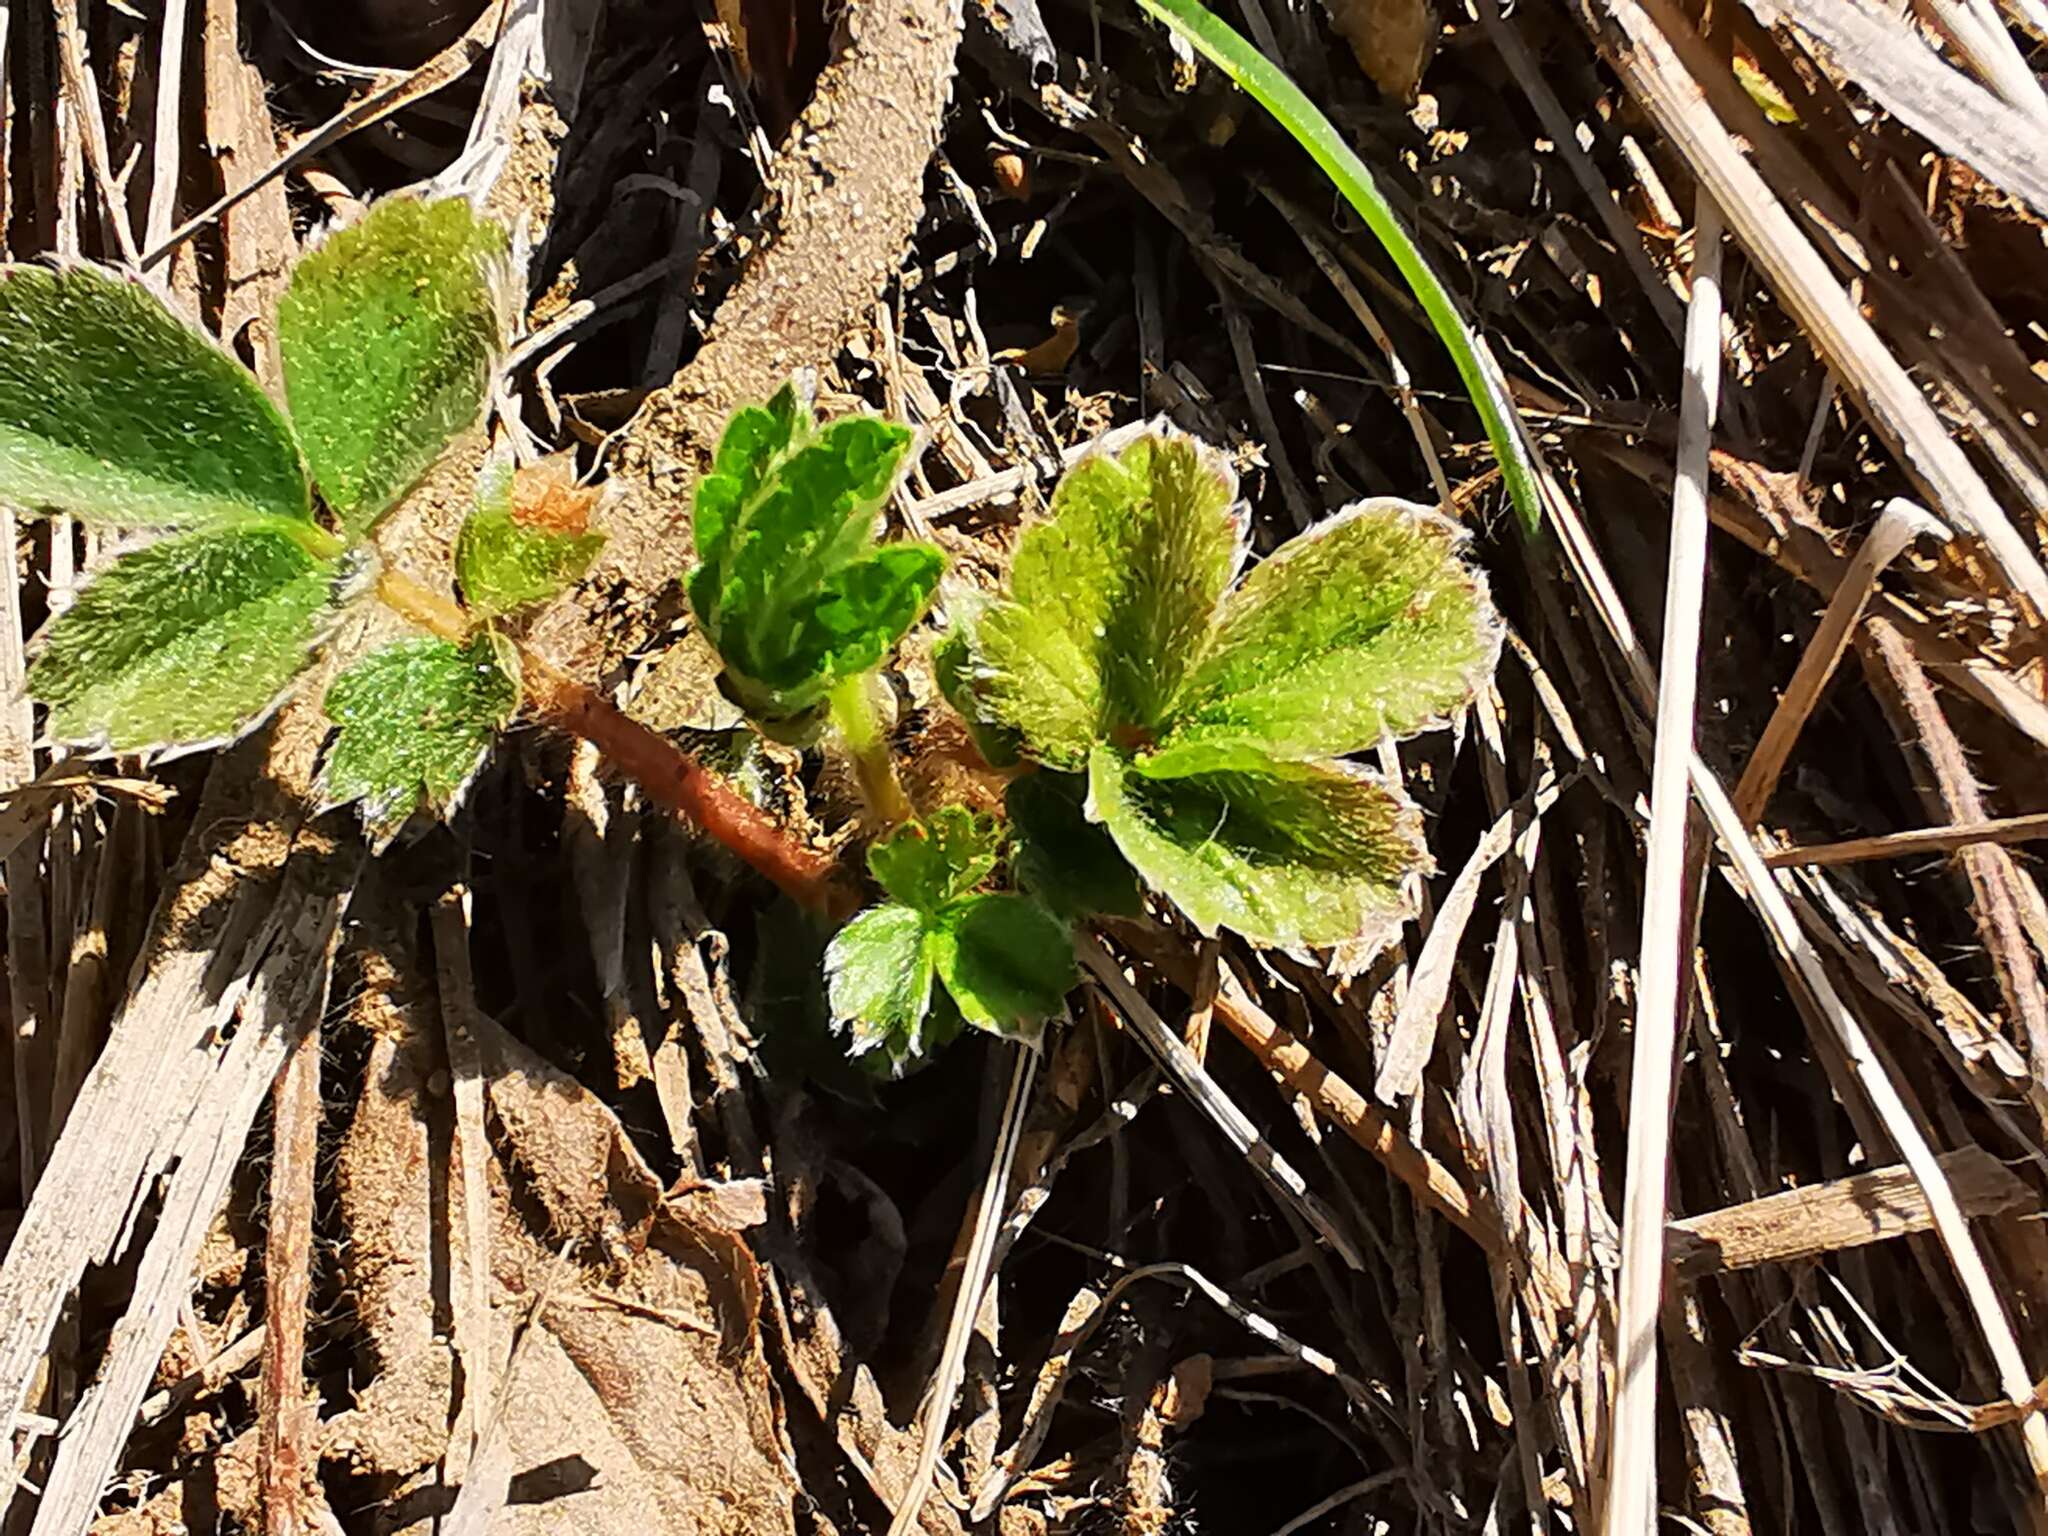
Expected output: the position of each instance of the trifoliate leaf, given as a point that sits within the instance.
(416, 719)
(927, 864)
(878, 976)
(189, 641)
(1368, 623)
(1062, 858)
(1006, 961)
(1112, 598)
(506, 559)
(114, 410)
(1286, 853)
(388, 331)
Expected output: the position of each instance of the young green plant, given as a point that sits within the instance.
(115, 411)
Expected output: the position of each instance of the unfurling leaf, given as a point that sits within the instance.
(927, 865)
(1366, 624)
(189, 641)
(416, 719)
(1007, 962)
(1111, 598)
(952, 671)
(1285, 853)
(114, 410)
(789, 586)
(507, 557)
(1064, 859)
(878, 975)
(388, 332)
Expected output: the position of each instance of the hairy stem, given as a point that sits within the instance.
(860, 727)
(668, 775)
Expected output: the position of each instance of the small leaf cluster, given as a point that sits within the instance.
(116, 411)
(1000, 961)
(790, 585)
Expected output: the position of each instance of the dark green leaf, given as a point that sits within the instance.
(504, 564)
(388, 332)
(416, 719)
(1112, 598)
(114, 410)
(928, 864)
(188, 641)
(1007, 962)
(1368, 623)
(1285, 853)
(753, 444)
(878, 975)
(1062, 858)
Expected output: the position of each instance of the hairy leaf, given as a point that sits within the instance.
(388, 332)
(505, 562)
(416, 719)
(114, 410)
(1112, 598)
(1368, 623)
(1007, 962)
(878, 975)
(928, 864)
(189, 641)
(1062, 858)
(953, 672)
(789, 587)
(1285, 853)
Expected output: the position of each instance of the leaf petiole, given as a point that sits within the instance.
(860, 727)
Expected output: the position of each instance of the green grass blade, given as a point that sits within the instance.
(1268, 85)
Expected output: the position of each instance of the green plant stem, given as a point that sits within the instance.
(1268, 85)
(860, 727)
(668, 775)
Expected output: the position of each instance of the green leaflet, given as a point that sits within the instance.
(114, 410)
(1366, 624)
(504, 564)
(1006, 961)
(878, 976)
(388, 331)
(1062, 858)
(928, 864)
(1111, 598)
(1285, 853)
(189, 641)
(416, 719)
(953, 672)
(789, 586)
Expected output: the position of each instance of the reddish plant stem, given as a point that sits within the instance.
(669, 776)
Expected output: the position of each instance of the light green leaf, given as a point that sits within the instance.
(114, 410)
(953, 672)
(505, 564)
(1112, 598)
(754, 443)
(927, 864)
(878, 977)
(189, 641)
(1368, 623)
(416, 719)
(1062, 858)
(853, 620)
(388, 333)
(1285, 853)
(1006, 961)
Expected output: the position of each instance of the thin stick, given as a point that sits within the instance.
(1897, 526)
(1193, 1079)
(938, 1412)
(163, 148)
(1632, 1442)
(443, 69)
(1899, 845)
(285, 1449)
